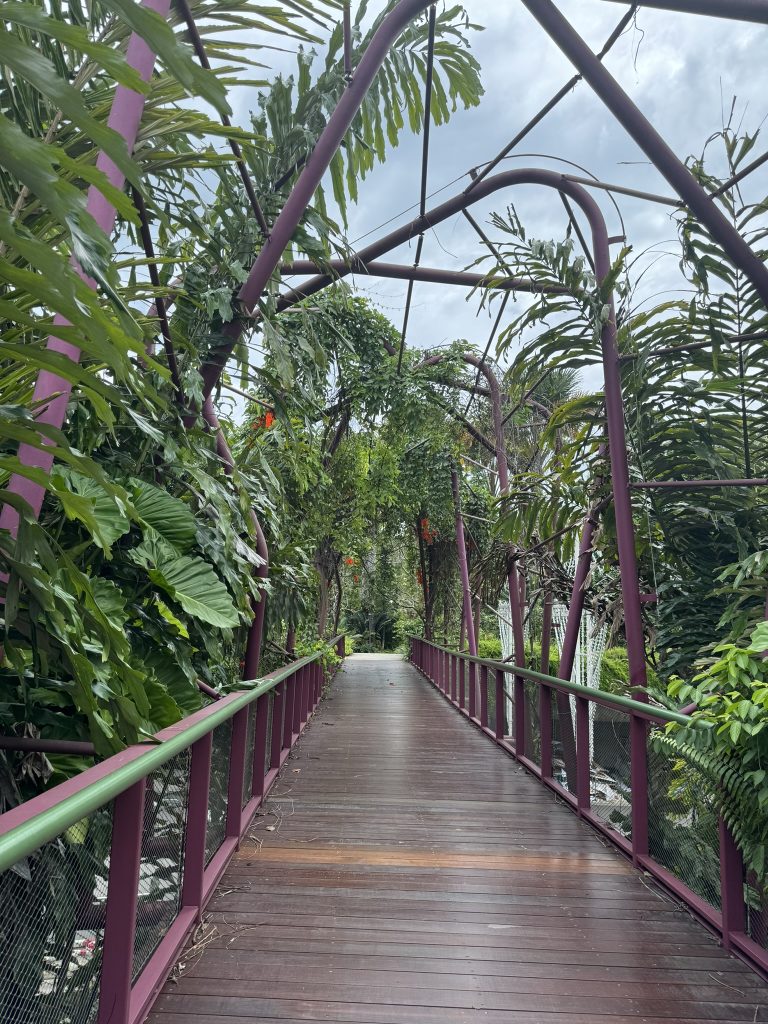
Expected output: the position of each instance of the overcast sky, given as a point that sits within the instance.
(681, 70)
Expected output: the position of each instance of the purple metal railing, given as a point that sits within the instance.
(204, 795)
(611, 781)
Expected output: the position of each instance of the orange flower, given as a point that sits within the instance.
(349, 561)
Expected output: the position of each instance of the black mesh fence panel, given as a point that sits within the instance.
(162, 856)
(564, 741)
(52, 907)
(610, 768)
(250, 741)
(217, 794)
(683, 824)
(532, 722)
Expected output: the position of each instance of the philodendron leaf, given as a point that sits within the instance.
(193, 583)
(167, 515)
(107, 519)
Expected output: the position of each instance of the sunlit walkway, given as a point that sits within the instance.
(406, 870)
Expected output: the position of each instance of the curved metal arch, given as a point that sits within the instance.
(599, 78)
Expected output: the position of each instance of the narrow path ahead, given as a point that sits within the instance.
(407, 871)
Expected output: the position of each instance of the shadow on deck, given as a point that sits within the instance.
(405, 870)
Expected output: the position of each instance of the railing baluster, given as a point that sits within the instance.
(638, 746)
(582, 754)
(454, 676)
(237, 772)
(545, 730)
(122, 898)
(472, 673)
(731, 886)
(462, 681)
(197, 822)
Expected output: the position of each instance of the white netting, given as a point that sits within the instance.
(590, 644)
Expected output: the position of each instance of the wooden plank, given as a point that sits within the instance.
(405, 871)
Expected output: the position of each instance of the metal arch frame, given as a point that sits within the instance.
(125, 117)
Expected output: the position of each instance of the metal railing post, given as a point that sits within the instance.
(731, 885)
(462, 681)
(471, 704)
(122, 899)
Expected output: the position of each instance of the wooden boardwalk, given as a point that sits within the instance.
(407, 871)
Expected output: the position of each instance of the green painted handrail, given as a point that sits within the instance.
(615, 699)
(30, 835)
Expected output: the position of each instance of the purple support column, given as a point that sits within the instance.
(122, 895)
(124, 118)
(237, 773)
(731, 886)
(197, 822)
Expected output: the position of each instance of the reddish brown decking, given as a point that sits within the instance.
(407, 871)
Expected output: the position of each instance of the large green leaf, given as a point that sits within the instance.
(193, 583)
(110, 520)
(169, 516)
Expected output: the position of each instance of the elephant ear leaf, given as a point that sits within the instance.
(100, 511)
(193, 583)
(167, 515)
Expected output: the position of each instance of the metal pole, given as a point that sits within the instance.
(400, 272)
(648, 139)
(124, 118)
